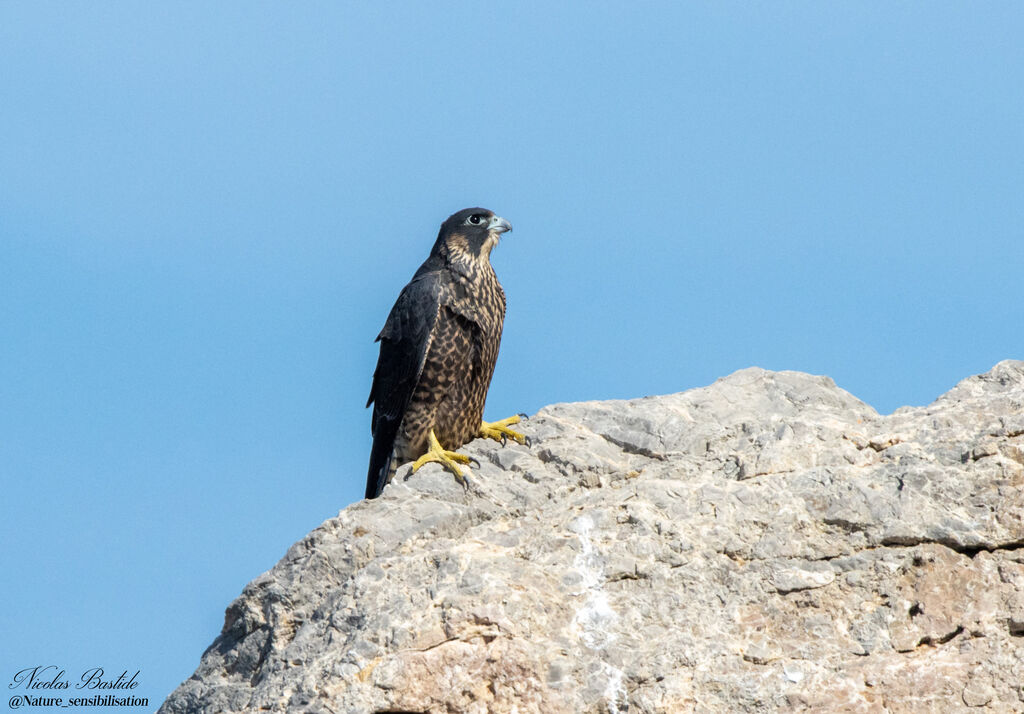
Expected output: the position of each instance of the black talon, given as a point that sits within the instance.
(523, 416)
(474, 461)
(504, 441)
(527, 441)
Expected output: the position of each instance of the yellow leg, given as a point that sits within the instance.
(499, 430)
(448, 459)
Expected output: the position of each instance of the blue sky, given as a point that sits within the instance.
(206, 213)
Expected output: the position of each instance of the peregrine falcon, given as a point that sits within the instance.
(437, 354)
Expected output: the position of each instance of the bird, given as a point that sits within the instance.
(437, 353)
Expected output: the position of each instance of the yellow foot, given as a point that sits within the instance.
(448, 459)
(499, 430)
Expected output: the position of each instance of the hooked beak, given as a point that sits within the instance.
(499, 225)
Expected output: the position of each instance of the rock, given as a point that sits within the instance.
(765, 543)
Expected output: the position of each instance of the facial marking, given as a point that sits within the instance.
(492, 240)
(459, 243)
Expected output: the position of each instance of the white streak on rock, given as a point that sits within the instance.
(595, 619)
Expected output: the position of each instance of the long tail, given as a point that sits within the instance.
(382, 462)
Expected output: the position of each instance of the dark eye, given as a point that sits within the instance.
(475, 219)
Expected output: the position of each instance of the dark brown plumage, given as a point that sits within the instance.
(438, 348)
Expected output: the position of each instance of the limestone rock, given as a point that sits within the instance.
(767, 543)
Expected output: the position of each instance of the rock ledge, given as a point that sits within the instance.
(766, 543)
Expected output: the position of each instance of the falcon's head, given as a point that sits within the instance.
(472, 232)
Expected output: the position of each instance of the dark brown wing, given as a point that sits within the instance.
(403, 347)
